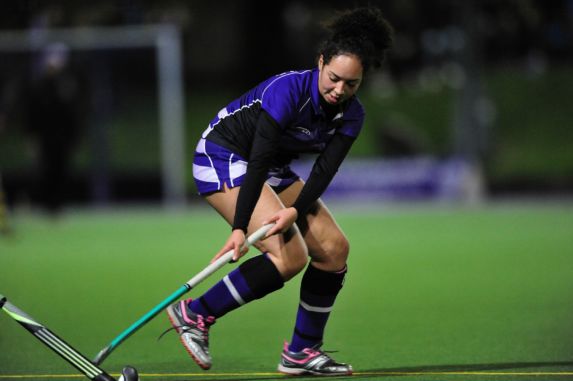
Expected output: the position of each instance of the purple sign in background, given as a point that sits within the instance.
(407, 179)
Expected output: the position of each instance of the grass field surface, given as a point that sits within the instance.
(431, 294)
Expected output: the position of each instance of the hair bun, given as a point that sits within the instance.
(366, 24)
(361, 31)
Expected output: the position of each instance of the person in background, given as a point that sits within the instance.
(4, 224)
(53, 121)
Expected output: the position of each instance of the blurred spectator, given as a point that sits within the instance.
(52, 109)
(4, 227)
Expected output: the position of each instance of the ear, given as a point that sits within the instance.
(320, 62)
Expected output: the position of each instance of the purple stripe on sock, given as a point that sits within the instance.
(241, 285)
(318, 293)
(219, 300)
(220, 297)
(309, 329)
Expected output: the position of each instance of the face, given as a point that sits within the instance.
(340, 78)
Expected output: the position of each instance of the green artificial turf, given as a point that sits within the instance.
(431, 294)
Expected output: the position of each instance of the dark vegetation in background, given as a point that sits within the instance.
(229, 46)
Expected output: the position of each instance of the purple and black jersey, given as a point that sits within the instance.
(255, 137)
(293, 101)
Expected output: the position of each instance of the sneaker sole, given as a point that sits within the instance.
(301, 372)
(175, 324)
(291, 371)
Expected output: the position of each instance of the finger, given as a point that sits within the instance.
(217, 256)
(274, 230)
(271, 220)
(221, 252)
(237, 253)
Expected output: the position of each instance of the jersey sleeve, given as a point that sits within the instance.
(279, 99)
(267, 135)
(323, 171)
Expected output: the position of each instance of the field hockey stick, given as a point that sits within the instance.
(220, 262)
(63, 349)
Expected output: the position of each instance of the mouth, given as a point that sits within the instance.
(330, 98)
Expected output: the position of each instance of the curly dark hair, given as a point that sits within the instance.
(363, 32)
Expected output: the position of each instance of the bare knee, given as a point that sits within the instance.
(290, 258)
(333, 254)
(295, 264)
(337, 252)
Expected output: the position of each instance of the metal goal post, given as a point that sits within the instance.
(166, 40)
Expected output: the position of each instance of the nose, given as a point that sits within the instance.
(339, 88)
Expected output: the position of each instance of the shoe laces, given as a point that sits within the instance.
(202, 325)
(318, 351)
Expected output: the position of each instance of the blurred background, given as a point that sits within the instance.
(102, 103)
(456, 197)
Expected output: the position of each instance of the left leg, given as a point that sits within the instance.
(327, 244)
(321, 283)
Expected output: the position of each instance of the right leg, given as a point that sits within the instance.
(287, 251)
(284, 256)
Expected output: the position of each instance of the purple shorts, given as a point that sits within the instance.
(214, 166)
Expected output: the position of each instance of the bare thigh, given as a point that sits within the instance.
(288, 250)
(326, 242)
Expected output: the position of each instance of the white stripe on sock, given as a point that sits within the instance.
(233, 290)
(315, 309)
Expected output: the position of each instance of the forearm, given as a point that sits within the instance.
(323, 172)
(264, 146)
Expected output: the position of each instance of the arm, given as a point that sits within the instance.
(323, 171)
(265, 144)
(267, 136)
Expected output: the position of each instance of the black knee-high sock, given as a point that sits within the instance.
(318, 292)
(253, 279)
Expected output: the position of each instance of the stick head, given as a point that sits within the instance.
(102, 355)
(2, 300)
(128, 373)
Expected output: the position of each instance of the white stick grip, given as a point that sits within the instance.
(227, 257)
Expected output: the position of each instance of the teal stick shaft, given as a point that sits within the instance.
(140, 323)
(220, 262)
(150, 315)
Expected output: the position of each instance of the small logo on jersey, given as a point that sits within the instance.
(304, 130)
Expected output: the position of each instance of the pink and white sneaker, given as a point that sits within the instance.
(311, 361)
(193, 331)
